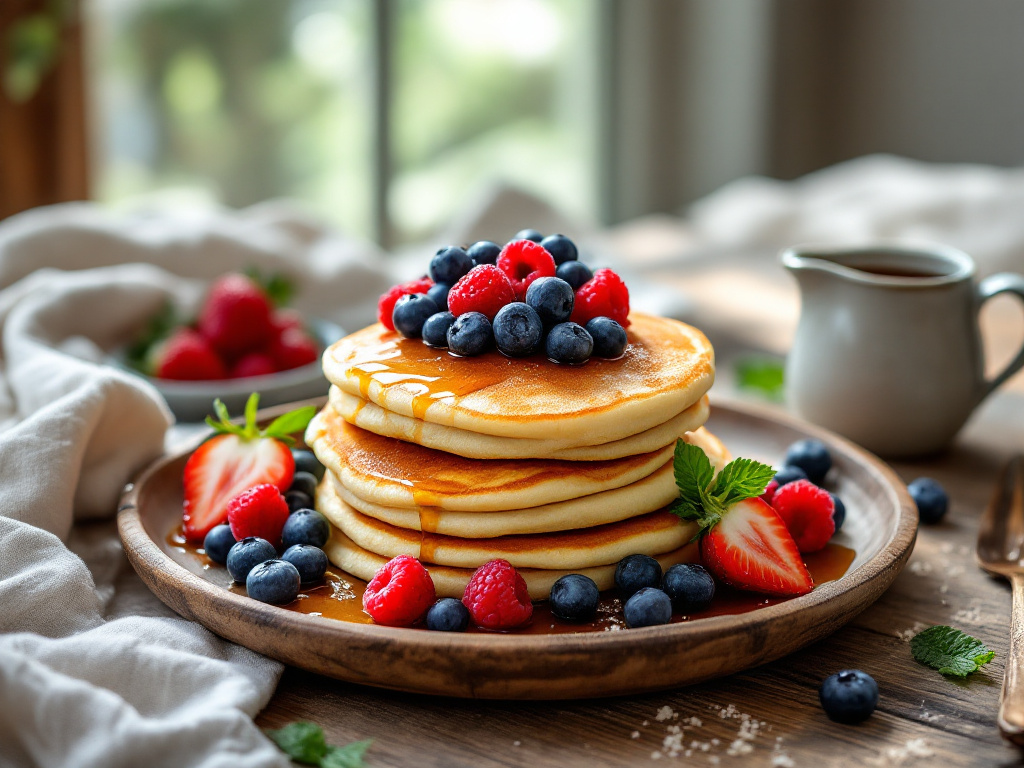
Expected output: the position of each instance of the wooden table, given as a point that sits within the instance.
(768, 716)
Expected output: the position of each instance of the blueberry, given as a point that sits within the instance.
(529, 234)
(448, 615)
(297, 500)
(218, 542)
(849, 696)
(484, 252)
(305, 526)
(931, 499)
(552, 298)
(561, 248)
(411, 312)
(569, 343)
(574, 597)
(435, 330)
(273, 581)
(517, 330)
(309, 560)
(306, 461)
(647, 608)
(449, 264)
(246, 555)
(470, 334)
(575, 273)
(789, 474)
(812, 457)
(438, 294)
(305, 482)
(689, 586)
(839, 513)
(634, 572)
(609, 337)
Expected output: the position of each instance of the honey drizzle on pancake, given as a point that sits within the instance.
(340, 597)
(430, 516)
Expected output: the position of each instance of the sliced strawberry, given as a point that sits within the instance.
(235, 461)
(750, 548)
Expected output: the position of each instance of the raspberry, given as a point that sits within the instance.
(260, 511)
(806, 510)
(769, 492)
(484, 289)
(253, 364)
(236, 316)
(496, 596)
(400, 593)
(187, 356)
(386, 305)
(604, 295)
(523, 261)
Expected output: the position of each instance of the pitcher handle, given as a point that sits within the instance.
(1004, 282)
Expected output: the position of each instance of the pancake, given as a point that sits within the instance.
(647, 495)
(394, 473)
(451, 582)
(667, 367)
(653, 533)
(475, 445)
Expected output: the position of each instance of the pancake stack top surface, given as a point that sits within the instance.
(557, 469)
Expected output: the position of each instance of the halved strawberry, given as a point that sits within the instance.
(234, 461)
(751, 548)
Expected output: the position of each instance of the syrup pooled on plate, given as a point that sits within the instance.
(340, 596)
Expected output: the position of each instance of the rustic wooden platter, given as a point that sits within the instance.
(881, 527)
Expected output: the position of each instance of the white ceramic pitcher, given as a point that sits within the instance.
(887, 351)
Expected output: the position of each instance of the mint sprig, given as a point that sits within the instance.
(280, 428)
(950, 651)
(703, 497)
(305, 743)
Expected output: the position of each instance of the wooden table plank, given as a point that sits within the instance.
(922, 718)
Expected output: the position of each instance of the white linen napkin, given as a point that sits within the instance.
(94, 670)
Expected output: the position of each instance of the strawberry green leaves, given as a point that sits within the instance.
(282, 428)
(703, 497)
(950, 651)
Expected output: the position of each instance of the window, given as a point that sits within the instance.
(383, 116)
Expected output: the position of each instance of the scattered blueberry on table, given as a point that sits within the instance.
(931, 499)
(849, 696)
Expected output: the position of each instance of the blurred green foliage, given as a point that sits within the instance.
(763, 375)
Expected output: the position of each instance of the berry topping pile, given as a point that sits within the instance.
(239, 333)
(532, 296)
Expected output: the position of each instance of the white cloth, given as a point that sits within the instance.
(94, 671)
(973, 207)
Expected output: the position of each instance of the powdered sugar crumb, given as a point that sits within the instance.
(679, 739)
(891, 757)
(635, 735)
(907, 634)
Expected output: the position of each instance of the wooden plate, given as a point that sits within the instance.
(881, 526)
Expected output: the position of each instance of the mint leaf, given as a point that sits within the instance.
(293, 421)
(950, 651)
(764, 375)
(349, 756)
(741, 479)
(278, 288)
(303, 742)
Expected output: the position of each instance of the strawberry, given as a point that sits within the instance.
(235, 460)
(253, 364)
(293, 348)
(751, 548)
(187, 356)
(236, 316)
(743, 541)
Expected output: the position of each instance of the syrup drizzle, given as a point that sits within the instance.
(340, 596)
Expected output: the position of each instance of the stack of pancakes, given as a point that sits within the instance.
(557, 469)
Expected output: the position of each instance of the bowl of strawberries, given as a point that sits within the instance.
(243, 339)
